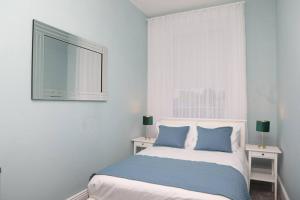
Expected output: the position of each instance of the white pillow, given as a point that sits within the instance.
(191, 138)
(235, 136)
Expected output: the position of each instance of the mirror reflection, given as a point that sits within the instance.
(66, 69)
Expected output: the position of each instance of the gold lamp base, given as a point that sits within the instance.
(262, 145)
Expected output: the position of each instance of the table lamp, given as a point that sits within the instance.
(263, 127)
(147, 121)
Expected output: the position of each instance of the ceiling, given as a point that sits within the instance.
(153, 8)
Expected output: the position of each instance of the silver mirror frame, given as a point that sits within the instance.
(40, 30)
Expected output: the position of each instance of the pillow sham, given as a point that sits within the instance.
(191, 138)
(235, 135)
(172, 136)
(216, 139)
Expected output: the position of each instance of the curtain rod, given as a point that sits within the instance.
(195, 10)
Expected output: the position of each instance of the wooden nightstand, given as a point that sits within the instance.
(142, 143)
(266, 175)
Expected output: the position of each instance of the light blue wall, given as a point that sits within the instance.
(289, 94)
(48, 150)
(261, 66)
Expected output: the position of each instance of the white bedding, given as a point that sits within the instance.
(112, 188)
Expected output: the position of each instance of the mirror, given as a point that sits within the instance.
(66, 67)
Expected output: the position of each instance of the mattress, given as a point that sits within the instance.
(103, 187)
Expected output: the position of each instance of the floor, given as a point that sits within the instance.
(261, 191)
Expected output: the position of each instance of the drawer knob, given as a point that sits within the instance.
(262, 154)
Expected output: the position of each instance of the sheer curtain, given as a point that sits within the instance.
(197, 64)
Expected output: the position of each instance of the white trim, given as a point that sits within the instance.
(83, 195)
(282, 191)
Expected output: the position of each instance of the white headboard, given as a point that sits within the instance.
(218, 122)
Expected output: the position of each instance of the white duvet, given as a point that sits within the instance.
(113, 188)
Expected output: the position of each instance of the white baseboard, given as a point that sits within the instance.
(282, 192)
(83, 195)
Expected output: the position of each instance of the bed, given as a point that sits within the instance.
(110, 187)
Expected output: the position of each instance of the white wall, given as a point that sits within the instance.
(49, 149)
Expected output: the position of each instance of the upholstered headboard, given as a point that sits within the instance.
(212, 122)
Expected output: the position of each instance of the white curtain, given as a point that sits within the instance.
(197, 64)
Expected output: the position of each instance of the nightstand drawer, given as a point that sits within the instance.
(143, 144)
(257, 154)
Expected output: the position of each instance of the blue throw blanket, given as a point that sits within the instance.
(190, 175)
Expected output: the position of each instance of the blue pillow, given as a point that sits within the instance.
(172, 136)
(217, 139)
